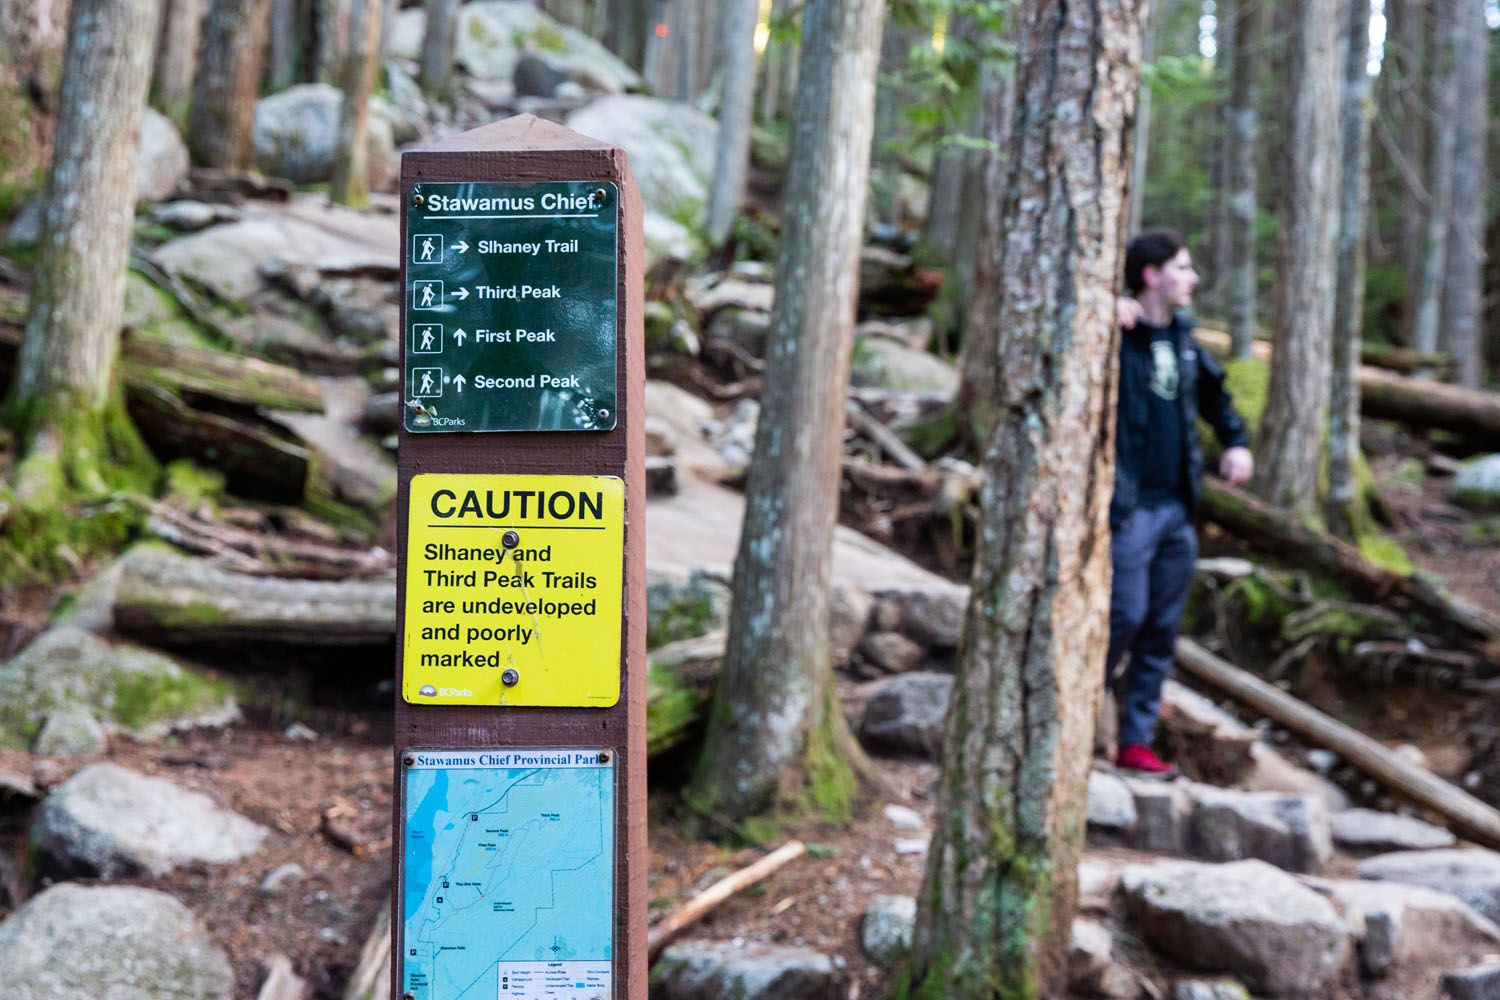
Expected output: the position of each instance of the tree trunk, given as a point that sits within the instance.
(776, 53)
(1001, 885)
(1154, 16)
(351, 165)
(228, 82)
(1444, 75)
(731, 159)
(976, 359)
(1292, 427)
(625, 33)
(176, 55)
(331, 29)
(437, 47)
(687, 27)
(774, 710)
(660, 69)
(1403, 77)
(1462, 303)
(1240, 174)
(31, 55)
(63, 385)
(286, 28)
(1349, 296)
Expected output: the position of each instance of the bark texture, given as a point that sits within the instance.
(1462, 314)
(1349, 297)
(773, 709)
(228, 82)
(176, 57)
(1240, 173)
(33, 34)
(1001, 886)
(351, 166)
(64, 379)
(437, 46)
(731, 158)
(1444, 75)
(1292, 427)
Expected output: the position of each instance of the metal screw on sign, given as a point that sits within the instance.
(408, 760)
(603, 414)
(511, 677)
(408, 996)
(418, 200)
(600, 196)
(604, 756)
(510, 539)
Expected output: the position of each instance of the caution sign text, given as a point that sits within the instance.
(514, 590)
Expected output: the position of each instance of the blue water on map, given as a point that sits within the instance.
(419, 861)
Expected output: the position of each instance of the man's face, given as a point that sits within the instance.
(1174, 281)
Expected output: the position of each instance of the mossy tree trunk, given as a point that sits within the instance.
(228, 82)
(1445, 42)
(1001, 885)
(31, 53)
(774, 713)
(63, 398)
(351, 165)
(1297, 395)
(1349, 297)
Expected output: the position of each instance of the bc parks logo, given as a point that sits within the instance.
(432, 691)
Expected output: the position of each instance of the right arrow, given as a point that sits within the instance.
(459, 336)
(461, 294)
(460, 247)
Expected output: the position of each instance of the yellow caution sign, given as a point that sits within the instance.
(514, 590)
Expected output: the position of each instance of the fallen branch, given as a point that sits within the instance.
(884, 437)
(1465, 813)
(673, 924)
(372, 973)
(262, 554)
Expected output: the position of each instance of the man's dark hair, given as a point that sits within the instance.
(1152, 248)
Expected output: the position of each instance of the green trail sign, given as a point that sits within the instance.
(510, 307)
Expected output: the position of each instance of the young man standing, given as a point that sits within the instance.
(1166, 383)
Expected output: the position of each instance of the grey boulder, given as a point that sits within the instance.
(69, 731)
(1408, 925)
(886, 928)
(296, 135)
(698, 970)
(905, 714)
(110, 822)
(1245, 919)
(1370, 830)
(1471, 875)
(74, 942)
(1289, 831)
(162, 163)
(1477, 483)
(1111, 808)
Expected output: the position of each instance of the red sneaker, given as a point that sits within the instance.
(1145, 764)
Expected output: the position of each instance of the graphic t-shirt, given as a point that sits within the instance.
(1161, 470)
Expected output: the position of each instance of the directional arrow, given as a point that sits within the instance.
(461, 294)
(459, 336)
(458, 382)
(460, 247)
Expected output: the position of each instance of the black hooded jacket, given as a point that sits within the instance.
(1201, 393)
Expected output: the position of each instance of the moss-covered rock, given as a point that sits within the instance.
(679, 609)
(122, 686)
(1477, 484)
(884, 363)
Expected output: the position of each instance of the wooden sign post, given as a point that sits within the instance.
(520, 821)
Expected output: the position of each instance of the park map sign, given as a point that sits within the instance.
(520, 822)
(510, 306)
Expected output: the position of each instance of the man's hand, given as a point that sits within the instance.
(1128, 311)
(1237, 466)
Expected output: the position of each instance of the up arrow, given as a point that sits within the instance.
(458, 382)
(460, 247)
(459, 336)
(461, 294)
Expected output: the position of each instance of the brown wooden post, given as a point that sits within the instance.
(597, 432)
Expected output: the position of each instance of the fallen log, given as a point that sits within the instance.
(1383, 395)
(1264, 527)
(217, 375)
(883, 436)
(1469, 816)
(167, 599)
(256, 461)
(673, 924)
(262, 553)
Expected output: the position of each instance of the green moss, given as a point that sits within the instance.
(692, 614)
(659, 319)
(1409, 472)
(754, 240)
(1386, 552)
(1248, 381)
(190, 485)
(169, 616)
(831, 783)
(144, 698)
(672, 709)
